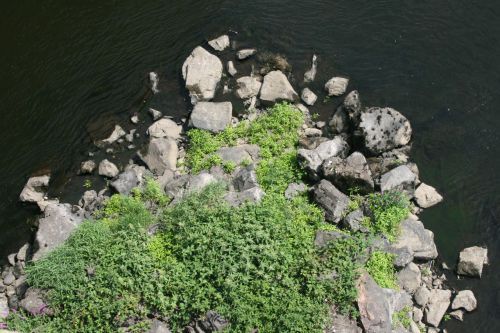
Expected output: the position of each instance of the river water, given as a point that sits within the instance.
(71, 70)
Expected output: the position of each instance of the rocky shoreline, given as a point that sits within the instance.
(366, 149)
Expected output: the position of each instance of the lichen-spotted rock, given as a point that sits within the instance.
(384, 129)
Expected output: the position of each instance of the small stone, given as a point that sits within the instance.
(9, 279)
(87, 167)
(457, 314)
(465, 299)
(108, 169)
(417, 315)
(248, 86)
(426, 196)
(336, 86)
(155, 114)
(134, 119)
(231, 69)
(220, 43)
(331, 200)
(22, 254)
(11, 258)
(422, 295)
(245, 53)
(472, 260)
(308, 97)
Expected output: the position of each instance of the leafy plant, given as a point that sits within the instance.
(388, 209)
(87, 183)
(380, 266)
(402, 318)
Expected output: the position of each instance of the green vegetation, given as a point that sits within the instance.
(275, 132)
(402, 317)
(388, 210)
(380, 266)
(87, 183)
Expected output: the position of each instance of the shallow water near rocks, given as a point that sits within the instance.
(69, 72)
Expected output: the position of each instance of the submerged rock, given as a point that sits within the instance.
(165, 128)
(276, 88)
(108, 169)
(426, 196)
(161, 154)
(220, 43)
(211, 116)
(245, 53)
(248, 86)
(384, 129)
(34, 190)
(55, 227)
(308, 96)
(439, 301)
(472, 260)
(336, 86)
(310, 75)
(333, 202)
(201, 71)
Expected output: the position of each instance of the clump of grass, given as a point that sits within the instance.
(388, 210)
(380, 266)
(402, 318)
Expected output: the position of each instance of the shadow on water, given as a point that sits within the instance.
(70, 71)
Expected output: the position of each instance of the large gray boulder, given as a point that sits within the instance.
(161, 154)
(384, 129)
(426, 196)
(336, 86)
(55, 227)
(374, 309)
(131, 178)
(202, 72)
(466, 300)
(312, 159)
(333, 202)
(439, 301)
(415, 238)
(210, 116)
(35, 189)
(349, 173)
(108, 169)
(276, 88)
(220, 43)
(248, 86)
(399, 179)
(165, 128)
(472, 260)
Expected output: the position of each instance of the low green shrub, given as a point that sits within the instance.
(402, 318)
(388, 210)
(380, 266)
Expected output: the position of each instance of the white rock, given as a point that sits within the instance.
(108, 169)
(336, 86)
(427, 196)
(220, 43)
(34, 190)
(165, 128)
(245, 53)
(308, 96)
(277, 88)
(472, 260)
(231, 69)
(310, 75)
(155, 114)
(117, 133)
(465, 299)
(439, 301)
(248, 86)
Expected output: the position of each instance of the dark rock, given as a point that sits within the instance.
(352, 172)
(324, 237)
(353, 221)
(339, 122)
(155, 114)
(239, 154)
(311, 160)
(352, 105)
(331, 200)
(213, 322)
(342, 324)
(311, 143)
(246, 178)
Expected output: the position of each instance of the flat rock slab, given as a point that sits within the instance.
(400, 179)
(214, 117)
(239, 154)
(55, 227)
(202, 71)
(336, 86)
(374, 309)
(466, 300)
(384, 129)
(276, 87)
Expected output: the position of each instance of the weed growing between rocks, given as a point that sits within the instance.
(388, 209)
(381, 267)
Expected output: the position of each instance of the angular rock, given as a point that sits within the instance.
(311, 160)
(155, 114)
(384, 129)
(399, 179)
(402, 256)
(295, 189)
(239, 154)
(252, 195)
(353, 221)
(308, 96)
(87, 167)
(457, 314)
(9, 279)
(352, 172)
(210, 116)
(248, 86)
(310, 75)
(466, 300)
(417, 315)
(426, 196)
(23, 253)
(311, 143)
(220, 43)
(336, 86)
(108, 169)
(245, 53)
(246, 178)
(416, 239)
(161, 155)
(439, 301)
(339, 122)
(131, 178)
(201, 71)
(165, 128)
(409, 278)
(134, 119)
(34, 190)
(153, 81)
(33, 302)
(54, 228)
(117, 133)
(472, 260)
(231, 69)
(87, 202)
(277, 88)
(342, 324)
(331, 200)
(374, 309)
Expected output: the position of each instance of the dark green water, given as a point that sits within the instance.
(71, 71)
